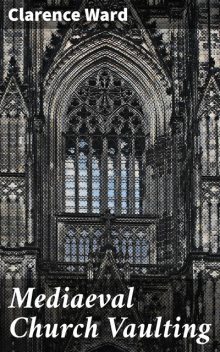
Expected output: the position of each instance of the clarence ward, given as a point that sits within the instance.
(91, 15)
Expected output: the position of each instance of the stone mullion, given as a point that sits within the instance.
(200, 215)
(53, 195)
(217, 309)
(210, 207)
(14, 138)
(218, 144)
(218, 226)
(9, 234)
(214, 226)
(143, 183)
(8, 150)
(197, 187)
(100, 189)
(179, 200)
(147, 209)
(104, 175)
(21, 156)
(131, 179)
(118, 178)
(60, 169)
(90, 181)
(217, 131)
(13, 221)
(23, 149)
(91, 238)
(4, 219)
(42, 215)
(62, 206)
(166, 180)
(203, 142)
(36, 42)
(6, 144)
(18, 222)
(77, 176)
(1, 201)
(21, 223)
(165, 201)
(29, 187)
(208, 145)
(134, 246)
(17, 143)
(197, 193)
(213, 279)
(205, 227)
(209, 303)
(170, 189)
(215, 147)
(143, 178)
(1, 141)
(77, 250)
(62, 236)
(2, 43)
(10, 228)
(213, 154)
(13, 144)
(176, 45)
(175, 191)
(24, 221)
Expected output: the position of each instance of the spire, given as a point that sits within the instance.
(13, 100)
(210, 97)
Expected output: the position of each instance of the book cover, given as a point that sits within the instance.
(110, 176)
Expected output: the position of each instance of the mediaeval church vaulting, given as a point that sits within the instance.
(110, 167)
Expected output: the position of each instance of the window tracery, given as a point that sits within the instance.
(131, 243)
(13, 143)
(79, 243)
(13, 124)
(105, 145)
(12, 211)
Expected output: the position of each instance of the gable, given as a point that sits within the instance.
(210, 102)
(13, 100)
(74, 35)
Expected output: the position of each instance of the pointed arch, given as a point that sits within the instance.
(133, 63)
(13, 123)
